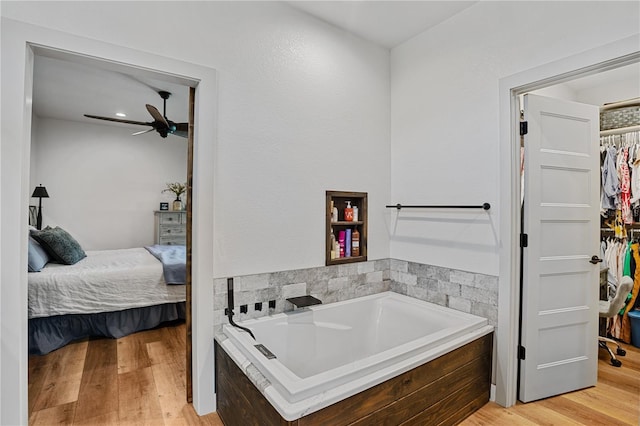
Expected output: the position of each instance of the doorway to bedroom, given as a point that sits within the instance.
(115, 185)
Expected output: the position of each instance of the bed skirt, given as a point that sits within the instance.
(50, 333)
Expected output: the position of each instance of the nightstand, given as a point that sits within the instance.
(170, 227)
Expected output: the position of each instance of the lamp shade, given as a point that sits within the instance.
(40, 192)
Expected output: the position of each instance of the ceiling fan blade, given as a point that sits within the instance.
(142, 132)
(182, 130)
(119, 120)
(156, 115)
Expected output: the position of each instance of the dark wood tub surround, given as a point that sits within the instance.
(442, 392)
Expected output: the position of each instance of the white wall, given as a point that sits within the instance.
(303, 109)
(445, 121)
(558, 91)
(602, 88)
(103, 183)
(615, 91)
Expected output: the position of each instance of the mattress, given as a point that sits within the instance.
(104, 281)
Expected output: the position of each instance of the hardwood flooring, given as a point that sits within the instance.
(140, 379)
(615, 400)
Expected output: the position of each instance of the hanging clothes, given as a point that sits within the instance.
(619, 207)
(611, 260)
(610, 182)
(620, 231)
(625, 324)
(635, 181)
(625, 186)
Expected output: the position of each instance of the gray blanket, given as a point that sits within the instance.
(174, 262)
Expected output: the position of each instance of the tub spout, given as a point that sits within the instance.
(304, 301)
(229, 309)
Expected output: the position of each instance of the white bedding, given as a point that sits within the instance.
(104, 281)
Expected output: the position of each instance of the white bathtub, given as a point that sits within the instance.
(326, 353)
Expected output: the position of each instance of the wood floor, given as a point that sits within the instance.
(140, 379)
(615, 400)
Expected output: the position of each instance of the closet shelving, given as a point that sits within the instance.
(620, 131)
(628, 135)
(633, 127)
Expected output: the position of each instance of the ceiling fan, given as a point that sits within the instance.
(160, 123)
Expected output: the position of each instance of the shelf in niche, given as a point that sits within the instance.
(339, 198)
(351, 259)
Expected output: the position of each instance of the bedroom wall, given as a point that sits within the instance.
(445, 120)
(103, 183)
(303, 108)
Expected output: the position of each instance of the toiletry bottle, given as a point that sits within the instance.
(347, 244)
(355, 213)
(355, 243)
(334, 212)
(341, 238)
(348, 212)
(333, 245)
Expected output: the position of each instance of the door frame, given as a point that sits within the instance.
(20, 41)
(610, 56)
(98, 63)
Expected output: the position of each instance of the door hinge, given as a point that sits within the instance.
(524, 128)
(521, 352)
(524, 240)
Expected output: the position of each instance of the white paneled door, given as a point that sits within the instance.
(559, 331)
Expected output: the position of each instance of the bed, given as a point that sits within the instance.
(109, 293)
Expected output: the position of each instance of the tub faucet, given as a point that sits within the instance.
(304, 301)
(230, 308)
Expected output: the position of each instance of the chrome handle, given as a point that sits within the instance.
(595, 259)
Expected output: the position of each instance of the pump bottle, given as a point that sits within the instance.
(348, 212)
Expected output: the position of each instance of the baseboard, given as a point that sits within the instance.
(206, 407)
(492, 394)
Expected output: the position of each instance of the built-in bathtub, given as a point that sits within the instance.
(325, 354)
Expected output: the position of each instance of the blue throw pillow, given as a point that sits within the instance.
(60, 245)
(38, 256)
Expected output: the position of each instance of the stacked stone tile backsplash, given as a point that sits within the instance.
(327, 283)
(460, 290)
(464, 291)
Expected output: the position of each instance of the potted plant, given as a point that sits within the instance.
(177, 188)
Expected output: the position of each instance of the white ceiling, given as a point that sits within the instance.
(66, 90)
(628, 72)
(387, 23)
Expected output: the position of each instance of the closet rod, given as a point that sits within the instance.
(485, 206)
(620, 131)
(621, 104)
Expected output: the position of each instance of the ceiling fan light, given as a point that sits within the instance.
(120, 114)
